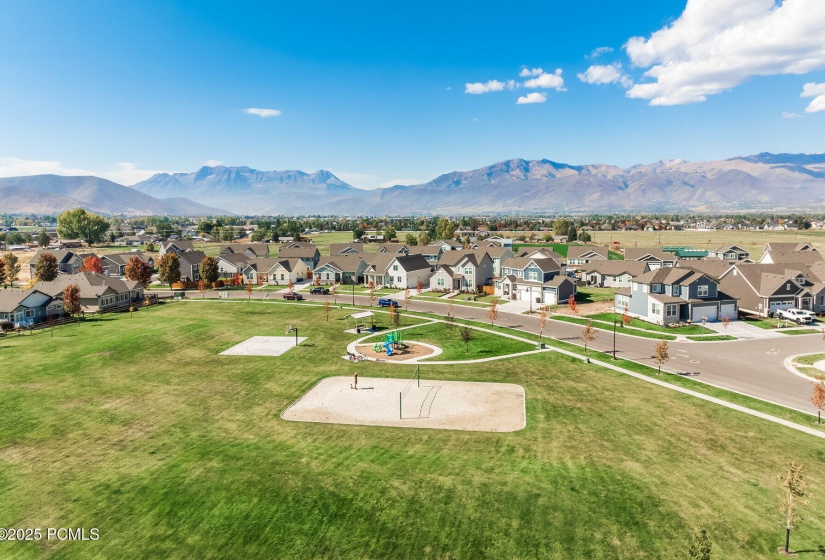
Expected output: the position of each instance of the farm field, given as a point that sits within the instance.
(137, 427)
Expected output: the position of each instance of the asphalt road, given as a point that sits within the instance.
(752, 367)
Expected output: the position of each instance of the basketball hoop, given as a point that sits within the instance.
(288, 328)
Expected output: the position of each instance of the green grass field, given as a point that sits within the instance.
(136, 426)
(639, 324)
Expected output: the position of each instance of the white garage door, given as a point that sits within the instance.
(524, 295)
(708, 312)
(777, 305)
(729, 310)
(550, 298)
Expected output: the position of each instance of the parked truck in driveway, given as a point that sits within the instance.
(798, 316)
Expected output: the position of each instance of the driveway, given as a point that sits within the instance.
(743, 330)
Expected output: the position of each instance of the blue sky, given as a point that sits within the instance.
(383, 94)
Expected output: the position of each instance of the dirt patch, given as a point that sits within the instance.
(409, 351)
(585, 309)
(413, 403)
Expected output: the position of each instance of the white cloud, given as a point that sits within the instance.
(449, 88)
(525, 72)
(817, 91)
(123, 173)
(393, 182)
(486, 87)
(598, 51)
(534, 97)
(265, 113)
(212, 162)
(547, 81)
(787, 115)
(716, 45)
(598, 74)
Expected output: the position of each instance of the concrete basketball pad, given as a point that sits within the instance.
(446, 405)
(263, 346)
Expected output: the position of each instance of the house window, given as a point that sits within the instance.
(395, 268)
(702, 291)
(656, 289)
(399, 279)
(534, 275)
(29, 312)
(671, 311)
(656, 308)
(468, 270)
(440, 282)
(676, 290)
(787, 286)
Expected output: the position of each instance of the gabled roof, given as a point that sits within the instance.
(451, 242)
(449, 270)
(579, 251)
(91, 284)
(191, 258)
(796, 257)
(545, 265)
(377, 262)
(615, 268)
(669, 275)
(426, 249)
(541, 252)
(340, 248)
(729, 248)
(495, 252)
(234, 258)
(182, 244)
(268, 263)
(11, 299)
(636, 254)
(258, 249)
(713, 268)
(123, 258)
(298, 250)
(393, 248)
(62, 255)
(450, 258)
(766, 279)
(411, 262)
(787, 247)
(344, 263)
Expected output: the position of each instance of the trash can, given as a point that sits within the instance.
(358, 330)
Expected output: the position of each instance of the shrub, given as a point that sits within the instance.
(218, 284)
(6, 326)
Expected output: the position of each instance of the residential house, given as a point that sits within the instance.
(340, 269)
(68, 262)
(176, 246)
(375, 271)
(578, 255)
(429, 252)
(541, 253)
(406, 271)
(764, 289)
(27, 307)
(613, 274)
(232, 264)
(654, 258)
(190, 265)
(450, 244)
(797, 257)
(97, 291)
(394, 248)
(134, 240)
(729, 253)
(275, 271)
(251, 250)
(673, 294)
(538, 280)
(496, 254)
(114, 264)
(469, 272)
(307, 252)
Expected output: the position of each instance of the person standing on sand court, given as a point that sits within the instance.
(355, 379)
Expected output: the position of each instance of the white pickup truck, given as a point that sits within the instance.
(798, 316)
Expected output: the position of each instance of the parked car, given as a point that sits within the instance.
(798, 316)
(293, 295)
(387, 302)
(319, 290)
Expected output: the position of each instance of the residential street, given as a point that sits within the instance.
(752, 367)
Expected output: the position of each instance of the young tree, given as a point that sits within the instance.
(79, 224)
(92, 264)
(407, 299)
(571, 304)
(46, 268)
(424, 238)
(291, 286)
(169, 269)
(43, 238)
(209, 270)
(3, 272)
(725, 322)
(411, 240)
(492, 312)
(139, 270)
(202, 287)
(794, 491)
(467, 335)
(71, 300)
(818, 398)
(588, 335)
(334, 291)
(249, 290)
(700, 545)
(449, 306)
(419, 287)
(626, 317)
(327, 308)
(372, 292)
(450, 324)
(544, 313)
(150, 247)
(12, 268)
(661, 355)
(317, 280)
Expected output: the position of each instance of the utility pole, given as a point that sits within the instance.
(614, 338)
(353, 295)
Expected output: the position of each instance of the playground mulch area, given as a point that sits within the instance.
(410, 351)
(410, 403)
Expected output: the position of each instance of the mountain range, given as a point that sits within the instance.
(762, 182)
(52, 194)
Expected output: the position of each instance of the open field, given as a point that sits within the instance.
(138, 427)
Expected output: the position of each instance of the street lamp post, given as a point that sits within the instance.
(289, 329)
(530, 289)
(353, 295)
(614, 338)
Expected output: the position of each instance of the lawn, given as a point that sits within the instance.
(560, 248)
(586, 294)
(483, 344)
(809, 359)
(137, 427)
(712, 338)
(644, 333)
(797, 331)
(639, 324)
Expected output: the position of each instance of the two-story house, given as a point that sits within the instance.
(578, 255)
(114, 264)
(764, 289)
(307, 252)
(250, 250)
(672, 295)
(176, 246)
(462, 271)
(729, 253)
(654, 258)
(275, 271)
(613, 274)
(190, 265)
(68, 262)
(537, 280)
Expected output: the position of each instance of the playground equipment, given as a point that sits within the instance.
(390, 340)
